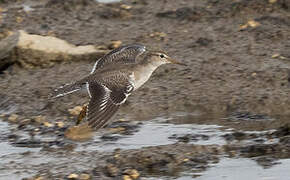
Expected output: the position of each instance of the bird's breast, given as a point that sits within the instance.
(141, 75)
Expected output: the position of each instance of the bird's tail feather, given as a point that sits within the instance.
(66, 89)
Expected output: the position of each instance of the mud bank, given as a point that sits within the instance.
(237, 79)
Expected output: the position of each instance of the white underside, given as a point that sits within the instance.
(141, 75)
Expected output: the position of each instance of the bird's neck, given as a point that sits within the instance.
(143, 72)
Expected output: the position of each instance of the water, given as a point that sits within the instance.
(20, 162)
(244, 168)
(155, 134)
(6, 147)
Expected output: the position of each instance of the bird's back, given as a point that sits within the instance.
(123, 55)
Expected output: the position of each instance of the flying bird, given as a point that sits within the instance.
(113, 78)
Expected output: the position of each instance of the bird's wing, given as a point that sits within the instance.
(121, 55)
(105, 100)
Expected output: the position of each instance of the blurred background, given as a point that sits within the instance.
(224, 116)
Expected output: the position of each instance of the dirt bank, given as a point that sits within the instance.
(237, 52)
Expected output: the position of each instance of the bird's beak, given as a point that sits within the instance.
(173, 61)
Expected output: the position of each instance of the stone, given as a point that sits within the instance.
(30, 51)
(73, 176)
(13, 118)
(76, 110)
(84, 176)
(133, 173)
(115, 44)
(126, 177)
(39, 119)
(48, 124)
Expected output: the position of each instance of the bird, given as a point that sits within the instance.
(113, 78)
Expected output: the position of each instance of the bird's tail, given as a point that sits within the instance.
(66, 89)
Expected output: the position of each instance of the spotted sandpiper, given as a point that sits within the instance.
(113, 78)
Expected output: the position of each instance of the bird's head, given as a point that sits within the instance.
(160, 57)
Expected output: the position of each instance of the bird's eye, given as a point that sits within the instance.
(162, 56)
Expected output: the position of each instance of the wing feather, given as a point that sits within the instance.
(105, 102)
(122, 55)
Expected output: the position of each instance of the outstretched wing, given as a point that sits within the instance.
(105, 101)
(121, 55)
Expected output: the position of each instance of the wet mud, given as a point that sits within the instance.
(227, 110)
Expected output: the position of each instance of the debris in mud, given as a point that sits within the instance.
(110, 137)
(73, 176)
(166, 160)
(266, 162)
(124, 127)
(42, 51)
(109, 12)
(84, 176)
(114, 44)
(247, 116)
(187, 13)
(39, 119)
(35, 143)
(235, 136)
(282, 131)
(13, 118)
(132, 173)
(158, 35)
(189, 137)
(76, 110)
(203, 41)
(250, 23)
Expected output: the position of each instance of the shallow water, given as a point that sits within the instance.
(155, 134)
(6, 147)
(20, 162)
(244, 168)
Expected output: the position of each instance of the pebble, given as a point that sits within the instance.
(112, 170)
(13, 117)
(124, 6)
(39, 178)
(39, 119)
(133, 173)
(73, 176)
(60, 124)
(85, 176)
(126, 177)
(115, 44)
(76, 110)
(48, 124)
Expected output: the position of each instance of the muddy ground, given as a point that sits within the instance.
(238, 77)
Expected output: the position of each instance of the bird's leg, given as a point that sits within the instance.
(82, 114)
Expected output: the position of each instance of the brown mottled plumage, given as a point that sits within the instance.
(113, 78)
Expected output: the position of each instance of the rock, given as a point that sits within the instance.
(73, 176)
(126, 177)
(76, 110)
(40, 178)
(39, 119)
(13, 118)
(115, 44)
(112, 170)
(133, 173)
(47, 124)
(84, 176)
(59, 124)
(124, 6)
(31, 51)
